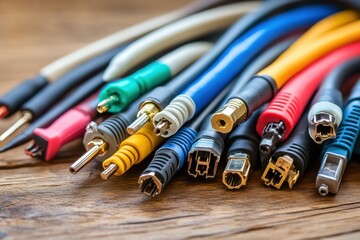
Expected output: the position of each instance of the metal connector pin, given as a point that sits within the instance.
(27, 116)
(104, 105)
(227, 117)
(145, 115)
(33, 150)
(109, 171)
(161, 127)
(96, 147)
(282, 170)
(237, 171)
(204, 157)
(150, 184)
(272, 135)
(330, 174)
(322, 127)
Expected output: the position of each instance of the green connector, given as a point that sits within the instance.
(115, 96)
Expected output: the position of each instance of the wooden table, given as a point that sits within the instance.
(43, 200)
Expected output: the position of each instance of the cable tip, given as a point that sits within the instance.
(138, 124)
(105, 104)
(110, 73)
(33, 150)
(109, 171)
(322, 127)
(96, 147)
(150, 184)
(18, 124)
(237, 171)
(323, 190)
(227, 117)
(161, 127)
(4, 112)
(272, 135)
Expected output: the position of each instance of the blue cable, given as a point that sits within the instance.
(234, 60)
(238, 54)
(338, 151)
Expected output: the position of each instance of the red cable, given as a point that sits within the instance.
(69, 126)
(289, 103)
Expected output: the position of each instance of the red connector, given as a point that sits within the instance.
(281, 116)
(71, 125)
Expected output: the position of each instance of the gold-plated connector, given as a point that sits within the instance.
(227, 117)
(96, 147)
(104, 105)
(276, 173)
(237, 171)
(145, 115)
(150, 184)
(322, 127)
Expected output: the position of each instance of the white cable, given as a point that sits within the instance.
(61, 66)
(175, 33)
(182, 57)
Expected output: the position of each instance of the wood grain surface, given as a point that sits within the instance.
(44, 201)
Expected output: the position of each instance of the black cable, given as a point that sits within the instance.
(242, 153)
(325, 114)
(289, 161)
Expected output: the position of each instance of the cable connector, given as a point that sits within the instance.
(237, 171)
(272, 135)
(205, 153)
(276, 173)
(131, 151)
(171, 119)
(167, 160)
(323, 126)
(145, 115)
(228, 116)
(330, 174)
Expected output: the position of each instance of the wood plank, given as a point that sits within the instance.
(43, 200)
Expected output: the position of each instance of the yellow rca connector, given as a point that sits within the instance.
(131, 151)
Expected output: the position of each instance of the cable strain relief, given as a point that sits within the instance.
(160, 96)
(265, 88)
(179, 111)
(211, 134)
(284, 107)
(348, 131)
(326, 107)
(112, 131)
(247, 146)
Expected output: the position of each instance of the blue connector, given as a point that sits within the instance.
(337, 152)
(167, 161)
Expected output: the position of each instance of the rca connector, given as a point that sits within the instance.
(102, 140)
(337, 152)
(131, 151)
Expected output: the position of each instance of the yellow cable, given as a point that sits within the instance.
(134, 149)
(321, 28)
(285, 68)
